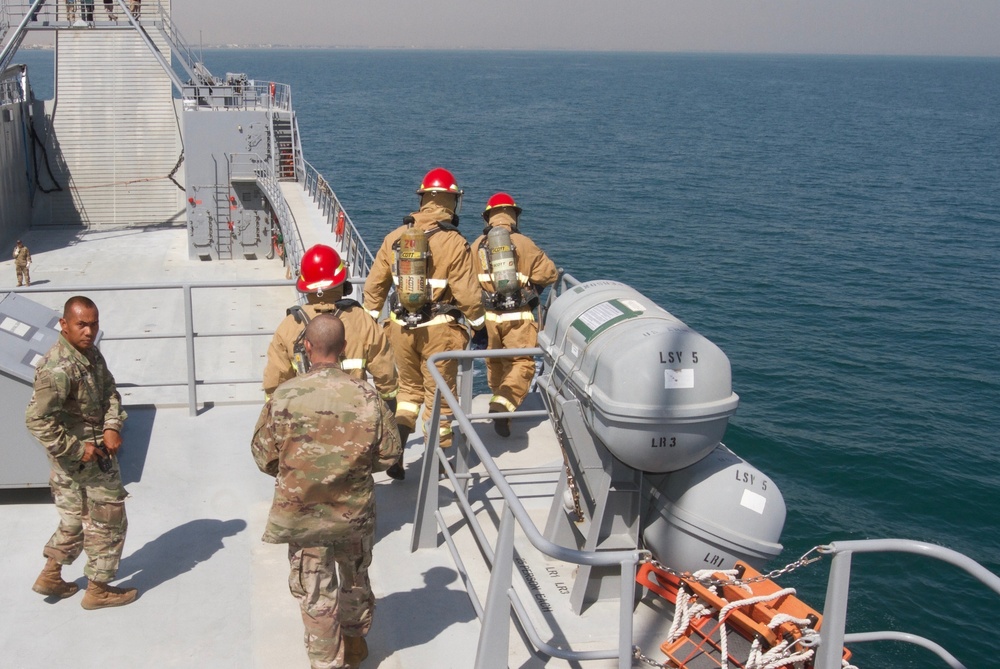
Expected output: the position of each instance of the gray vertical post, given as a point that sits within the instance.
(625, 614)
(460, 440)
(424, 525)
(189, 337)
(494, 636)
(831, 647)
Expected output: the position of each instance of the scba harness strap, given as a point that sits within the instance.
(431, 313)
(299, 359)
(525, 297)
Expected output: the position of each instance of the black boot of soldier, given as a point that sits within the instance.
(396, 471)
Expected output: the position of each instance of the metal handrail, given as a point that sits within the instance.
(833, 636)
(189, 334)
(252, 165)
(501, 598)
(185, 55)
(233, 94)
(14, 88)
(353, 248)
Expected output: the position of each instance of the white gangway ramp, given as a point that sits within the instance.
(112, 132)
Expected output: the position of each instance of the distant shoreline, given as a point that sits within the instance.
(752, 54)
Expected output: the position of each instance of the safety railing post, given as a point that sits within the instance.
(831, 647)
(461, 441)
(626, 596)
(189, 337)
(493, 649)
(424, 526)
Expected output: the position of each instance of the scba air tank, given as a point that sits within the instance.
(503, 261)
(656, 393)
(411, 269)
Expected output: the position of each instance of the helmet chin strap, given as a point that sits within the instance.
(319, 292)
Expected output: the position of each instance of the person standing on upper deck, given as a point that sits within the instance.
(76, 414)
(87, 11)
(323, 281)
(321, 435)
(22, 259)
(428, 261)
(512, 272)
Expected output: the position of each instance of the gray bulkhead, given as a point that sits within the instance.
(16, 184)
(228, 215)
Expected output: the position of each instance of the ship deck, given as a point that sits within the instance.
(211, 593)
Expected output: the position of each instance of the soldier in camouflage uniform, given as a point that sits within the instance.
(321, 435)
(22, 259)
(76, 414)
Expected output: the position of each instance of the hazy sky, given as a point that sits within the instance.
(939, 27)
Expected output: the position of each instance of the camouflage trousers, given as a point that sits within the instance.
(23, 276)
(91, 506)
(334, 593)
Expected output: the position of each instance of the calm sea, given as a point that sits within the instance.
(833, 223)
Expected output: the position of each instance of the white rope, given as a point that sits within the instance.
(685, 609)
(723, 640)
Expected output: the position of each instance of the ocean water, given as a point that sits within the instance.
(832, 223)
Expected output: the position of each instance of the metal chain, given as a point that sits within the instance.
(787, 569)
(637, 655)
(575, 492)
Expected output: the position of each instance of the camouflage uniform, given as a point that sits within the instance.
(75, 400)
(367, 347)
(510, 378)
(452, 282)
(321, 435)
(22, 257)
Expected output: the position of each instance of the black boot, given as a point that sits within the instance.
(500, 425)
(396, 471)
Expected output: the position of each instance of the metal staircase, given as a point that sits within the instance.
(283, 132)
(223, 229)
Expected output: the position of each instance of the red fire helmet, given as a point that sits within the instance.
(439, 180)
(321, 268)
(500, 200)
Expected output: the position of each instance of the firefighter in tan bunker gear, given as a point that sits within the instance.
(438, 288)
(323, 281)
(511, 289)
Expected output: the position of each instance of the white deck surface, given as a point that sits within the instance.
(211, 593)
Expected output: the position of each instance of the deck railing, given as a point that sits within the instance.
(833, 635)
(236, 92)
(13, 82)
(355, 252)
(501, 598)
(188, 334)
